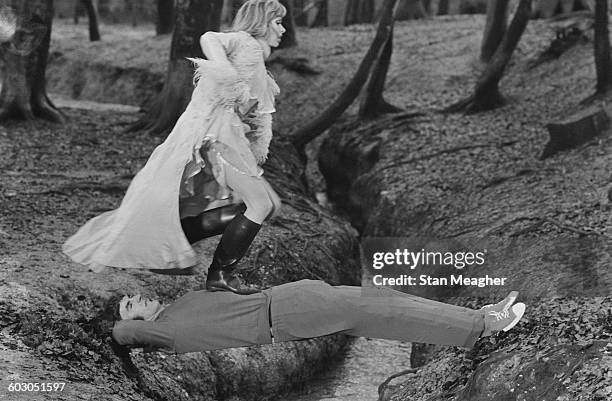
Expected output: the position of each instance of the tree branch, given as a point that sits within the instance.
(306, 133)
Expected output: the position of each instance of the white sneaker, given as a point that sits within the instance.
(504, 303)
(501, 319)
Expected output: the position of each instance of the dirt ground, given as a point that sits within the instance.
(477, 181)
(54, 179)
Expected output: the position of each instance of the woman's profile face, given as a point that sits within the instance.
(275, 32)
(137, 308)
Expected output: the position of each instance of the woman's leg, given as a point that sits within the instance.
(241, 231)
(207, 224)
(259, 197)
(274, 198)
(210, 222)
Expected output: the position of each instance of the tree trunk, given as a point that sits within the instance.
(165, 16)
(192, 19)
(486, 94)
(576, 129)
(443, 7)
(92, 15)
(359, 11)
(76, 10)
(495, 28)
(227, 13)
(301, 136)
(602, 47)
(320, 14)
(289, 38)
(373, 103)
(24, 55)
(425, 6)
(134, 9)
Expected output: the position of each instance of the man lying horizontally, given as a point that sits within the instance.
(203, 320)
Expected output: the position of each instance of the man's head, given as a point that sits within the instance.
(138, 308)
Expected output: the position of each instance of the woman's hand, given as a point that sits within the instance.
(249, 116)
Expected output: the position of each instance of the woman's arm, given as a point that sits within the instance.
(260, 135)
(216, 46)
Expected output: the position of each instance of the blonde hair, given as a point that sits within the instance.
(254, 16)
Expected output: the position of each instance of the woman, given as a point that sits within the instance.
(205, 179)
(201, 320)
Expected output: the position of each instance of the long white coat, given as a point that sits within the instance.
(186, 172)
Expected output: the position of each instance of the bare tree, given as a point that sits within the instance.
(76, 11)
(603, 63)
(486, 94)
(358, 11)
(92, 15)
(425, 6)
(192, 19)
(443, 7)
(24, 50)
(289, 38)
(495, 28)
(306, 133)
(165, 16)
(373, 103)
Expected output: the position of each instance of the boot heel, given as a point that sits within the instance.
(223, 286)
(217, 282)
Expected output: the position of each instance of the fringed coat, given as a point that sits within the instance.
(227, 124)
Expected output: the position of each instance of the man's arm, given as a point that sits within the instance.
(143, 333)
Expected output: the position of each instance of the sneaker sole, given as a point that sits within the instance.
(509, 300)
(519, 311)
(512, 297)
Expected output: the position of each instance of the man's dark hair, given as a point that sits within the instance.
(110, 309)
(104, 322)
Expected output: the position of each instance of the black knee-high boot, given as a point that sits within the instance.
(211, 222)
(234, 243)
(206, 224)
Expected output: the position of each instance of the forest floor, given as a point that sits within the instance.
(434, 64)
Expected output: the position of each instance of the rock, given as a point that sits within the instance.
(532, 376)
(254, 373)
(552, 373)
